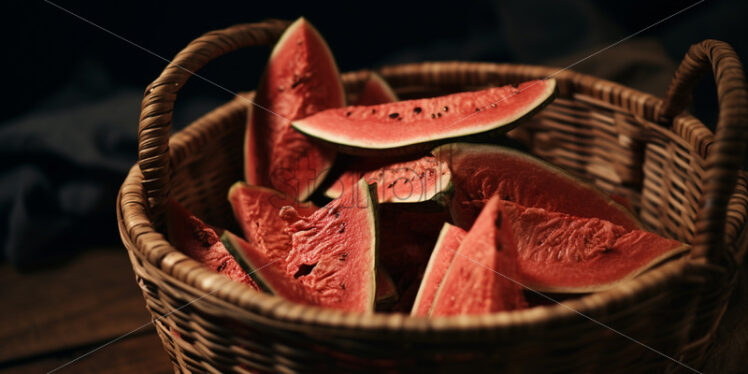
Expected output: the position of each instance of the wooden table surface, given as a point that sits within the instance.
(52, 316)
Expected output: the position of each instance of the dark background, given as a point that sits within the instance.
(72, 91)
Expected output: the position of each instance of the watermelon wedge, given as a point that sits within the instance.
(482, 277)
(442, 256)
(201, 242)
(415, 125)
(301, 78)
(376, 91)
(480, 171)
(558, 252)
(264, 214)
(332, 257)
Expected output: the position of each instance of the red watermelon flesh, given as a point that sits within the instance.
(301, 78)
(482, 276)
(558, 252)
(269, 274)
(201, 242)
(481, 171)
(407, 126)
(376, 91)
(332, 258)
(264, 214)
(335, 249)
(441, 258)
(410, 180)
(257, 209)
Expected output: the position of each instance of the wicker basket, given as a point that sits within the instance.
(683, 181)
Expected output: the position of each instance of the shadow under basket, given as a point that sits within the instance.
(683, 181)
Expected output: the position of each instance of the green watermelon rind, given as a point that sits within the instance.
(424, 144)
(234, 249)
(443, 152)
(373, 211)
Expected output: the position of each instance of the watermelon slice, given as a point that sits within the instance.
(332, 258)
(481, 171)
(376, 91)
(558, 252)
(482, 276)
(444, 252)
(398, 181)
(263, 219)
(301, 78)
(257, 209)
(201, 242)
(415, 125)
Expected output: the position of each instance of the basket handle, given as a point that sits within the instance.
(158, 101)
(729, 146)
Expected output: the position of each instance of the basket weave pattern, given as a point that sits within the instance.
(681, 179)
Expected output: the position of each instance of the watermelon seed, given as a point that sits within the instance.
(348, 114)
(433, 115)
(342, 285)
(497, 221)
(342, 228)
(394, 115)
(477, 109)
(343, 256)
(304, 269)
(446, 109)
(439, 114)
(222, 265)
(417, 109)
(399, 118)
(373, 111)
(493, 105)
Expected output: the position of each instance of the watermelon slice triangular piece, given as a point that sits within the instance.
(444, 252)
(264, 215)
(560, 253)
(301, 78)
(482, 277)
(332, 257)
(480, 171)
(376, 91)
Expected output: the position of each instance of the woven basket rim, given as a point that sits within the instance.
(177, 267)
